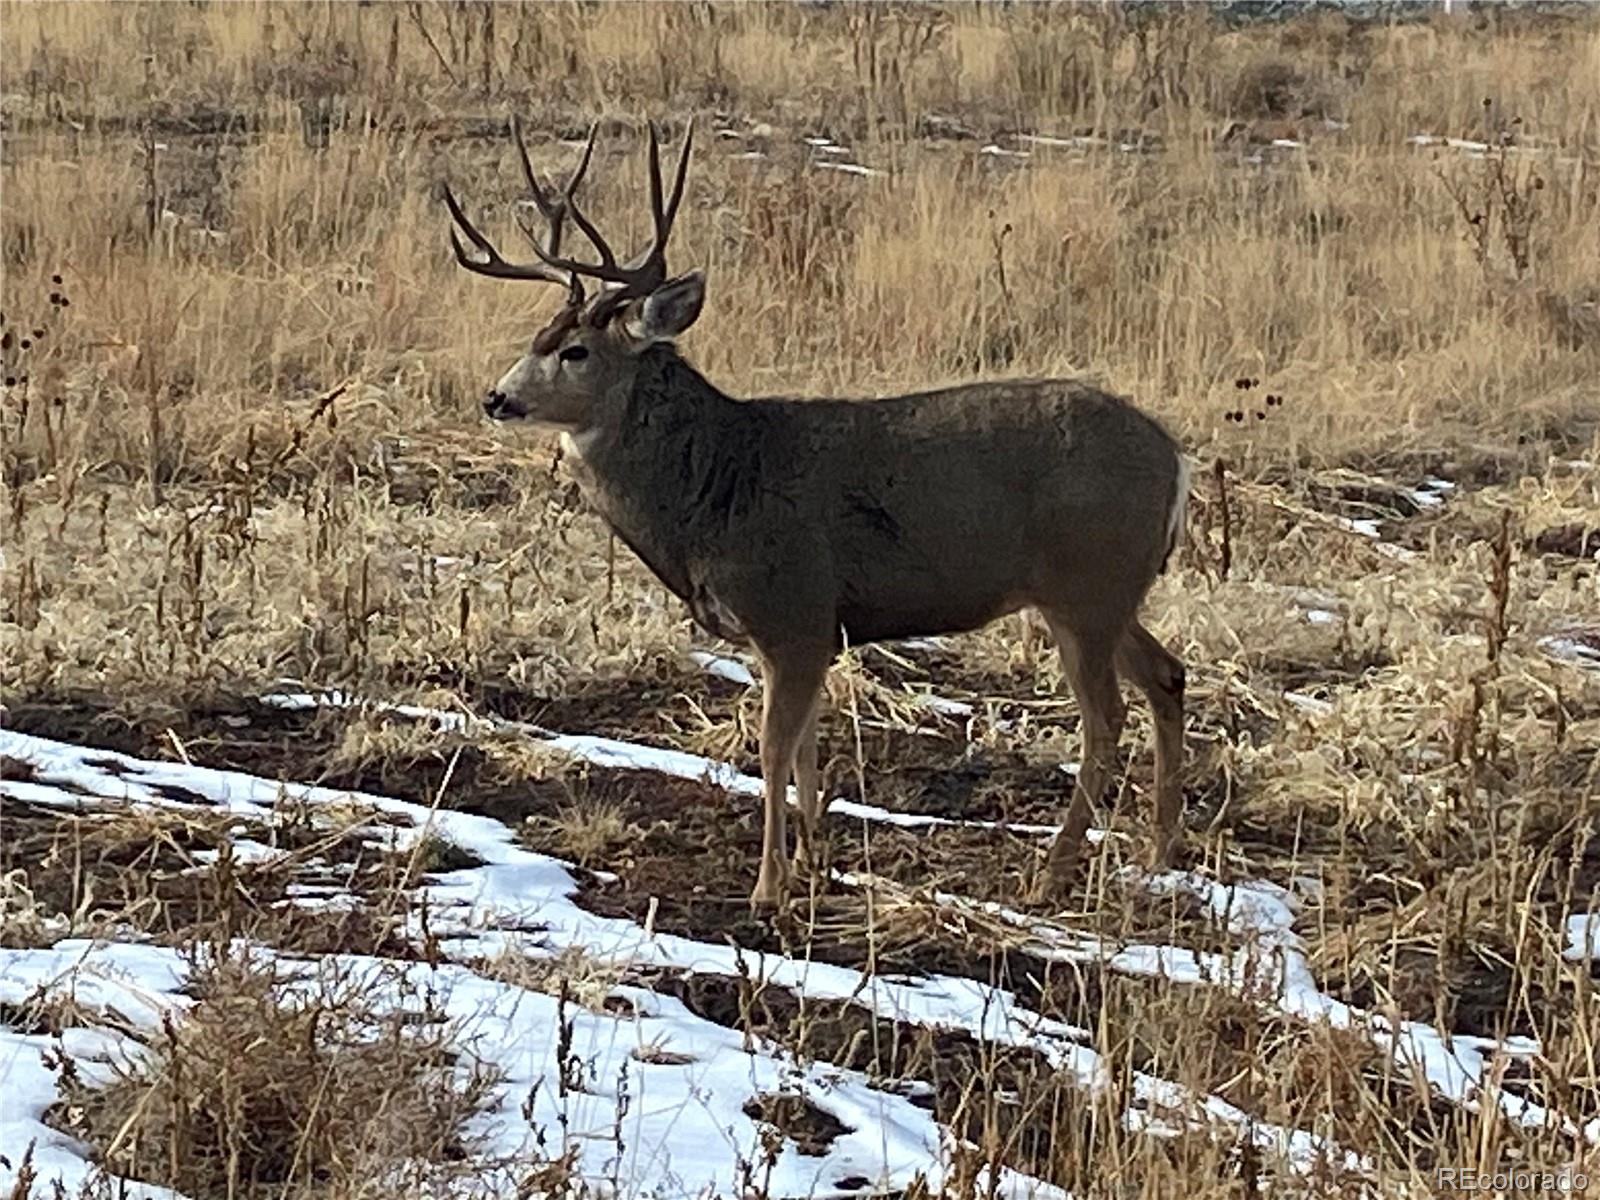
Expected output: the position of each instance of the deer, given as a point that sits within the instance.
(798, 527)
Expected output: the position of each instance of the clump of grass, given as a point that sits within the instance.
(1275, 86)
(571, 974)
(592, 830)
(24, 921)
(283, 1086)
(246, 450)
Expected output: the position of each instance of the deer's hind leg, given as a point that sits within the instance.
(807, 786)
(791, 679)
(1088, 659)
(1158, 673)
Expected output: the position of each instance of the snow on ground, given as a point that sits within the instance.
(682, 1125)
(1583, 938)
(1579, 647)
(1271, 968)
(828, 155)
(684, 1128)
(136, 982)
(685, 1106)
(723, 667)
(680, 1113)
(632, 756)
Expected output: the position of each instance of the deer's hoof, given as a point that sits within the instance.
(1163, 854)
(1049, 888)
(803, 863)
(1062, 871)
(770, 892)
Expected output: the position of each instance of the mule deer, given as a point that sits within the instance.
(796, 524)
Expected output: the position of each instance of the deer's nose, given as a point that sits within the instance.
(494, 403)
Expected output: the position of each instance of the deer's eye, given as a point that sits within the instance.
(574, 353)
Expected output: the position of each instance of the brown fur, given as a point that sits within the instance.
(799, 525)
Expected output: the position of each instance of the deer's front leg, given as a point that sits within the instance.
(791, 681)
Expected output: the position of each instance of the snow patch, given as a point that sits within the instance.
(631, 756)
(1583, 938)
(1311, 704)
(1570, 649)
(723, 667)
(847, 168)
(678, 1122)
(1272, 970)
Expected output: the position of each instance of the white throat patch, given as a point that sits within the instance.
(579, 444)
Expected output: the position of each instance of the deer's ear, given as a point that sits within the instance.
(669, 310)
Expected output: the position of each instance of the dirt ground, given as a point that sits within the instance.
(1350, 262)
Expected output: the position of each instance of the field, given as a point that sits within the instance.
(371, 824)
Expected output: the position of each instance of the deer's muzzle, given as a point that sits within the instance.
(500, 406)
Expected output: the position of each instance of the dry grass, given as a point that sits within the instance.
(239, 446)
(592, 833)
(189, 365)
(269, 1085)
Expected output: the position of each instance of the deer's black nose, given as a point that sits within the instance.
(494, 403)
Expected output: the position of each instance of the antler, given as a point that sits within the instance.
(553, 211)
(643, 274)
(639, 276)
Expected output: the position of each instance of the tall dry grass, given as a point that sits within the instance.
(296, 243)
(247, 446)
(252, 408)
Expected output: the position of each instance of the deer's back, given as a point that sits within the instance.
(916, 514)
(941, 510)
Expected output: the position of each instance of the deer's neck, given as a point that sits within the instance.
(666, 385)
(647, 469)
(670, 408)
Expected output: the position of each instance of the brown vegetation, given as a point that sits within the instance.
(240, 444)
